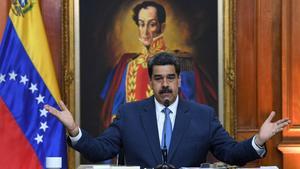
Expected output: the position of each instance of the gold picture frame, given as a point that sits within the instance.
(227, 75)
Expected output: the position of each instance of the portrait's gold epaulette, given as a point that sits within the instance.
(185, 59)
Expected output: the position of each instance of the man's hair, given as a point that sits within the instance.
(163, 58)
(160, 11)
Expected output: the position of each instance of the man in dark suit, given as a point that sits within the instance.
(186, 130)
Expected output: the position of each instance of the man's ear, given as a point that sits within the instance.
(150, 83)
(162, 27)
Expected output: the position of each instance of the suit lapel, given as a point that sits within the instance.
(181, 124)
(150, 126)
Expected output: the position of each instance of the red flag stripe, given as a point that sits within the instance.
(18, 153)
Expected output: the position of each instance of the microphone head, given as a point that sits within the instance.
(167, 103)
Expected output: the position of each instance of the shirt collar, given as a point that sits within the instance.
(173, 107)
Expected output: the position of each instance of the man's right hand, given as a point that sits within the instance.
(65, 117)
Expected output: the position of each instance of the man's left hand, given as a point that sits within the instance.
(269, 129)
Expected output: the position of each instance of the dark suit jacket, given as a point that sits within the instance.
(196, 131)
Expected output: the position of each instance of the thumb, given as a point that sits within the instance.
(63, 106)
(269, 119)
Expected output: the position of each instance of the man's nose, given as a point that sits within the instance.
(146, 30)
(165, 82)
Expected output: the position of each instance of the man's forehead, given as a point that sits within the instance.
(163, 74)
(163, 69)
(149, 13)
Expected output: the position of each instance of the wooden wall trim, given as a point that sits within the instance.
(290, 68)
(258, 73)
(290, 147)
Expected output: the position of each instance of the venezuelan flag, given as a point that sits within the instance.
(28, 132)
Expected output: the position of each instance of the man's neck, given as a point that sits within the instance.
(158, 45)
(173, 106)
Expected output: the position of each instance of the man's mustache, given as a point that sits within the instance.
(165, 90)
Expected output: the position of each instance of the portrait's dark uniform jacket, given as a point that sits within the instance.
(196, 131)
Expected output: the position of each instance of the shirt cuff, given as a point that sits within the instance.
(261, 150)
(75, 139)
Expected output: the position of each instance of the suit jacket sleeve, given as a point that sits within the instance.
(226, 149)
(104, 147)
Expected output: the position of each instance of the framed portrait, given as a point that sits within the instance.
(100, 34)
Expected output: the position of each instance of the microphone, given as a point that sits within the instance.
(164, 150)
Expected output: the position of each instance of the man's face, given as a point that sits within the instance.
(148, 25)
(165, 83)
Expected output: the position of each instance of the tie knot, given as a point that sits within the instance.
(167, 111)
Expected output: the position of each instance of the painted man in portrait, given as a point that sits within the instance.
(129, 81)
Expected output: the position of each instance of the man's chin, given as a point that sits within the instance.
(165, 97)
(146, 43)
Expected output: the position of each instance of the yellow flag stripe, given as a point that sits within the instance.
(31, 32)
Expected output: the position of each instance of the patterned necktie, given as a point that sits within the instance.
(167, 130)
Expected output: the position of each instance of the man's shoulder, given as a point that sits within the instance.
(201, 111)
(197, 106)
(140, 103)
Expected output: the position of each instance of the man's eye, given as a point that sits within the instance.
(153, 24)
(141, 24)
(171, 77)
(158, 78)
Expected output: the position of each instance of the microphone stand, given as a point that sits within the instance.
(165, 164)
(164, 152)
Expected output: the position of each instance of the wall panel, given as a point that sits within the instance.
(291, 82)
(258, 85)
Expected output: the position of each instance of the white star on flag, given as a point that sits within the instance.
(33, 88)
(2, 78)
(12, 75)
(44, 126)
(39, 138)
(24, 79)
(40, 99)
(43, 112)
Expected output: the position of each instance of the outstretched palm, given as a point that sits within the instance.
(64, 116)
(269, 128)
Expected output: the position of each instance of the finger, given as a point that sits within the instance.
(280, 129)
(269, 119)
(52, 110)
(283, 121)
(284, 124)
(63, 106)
